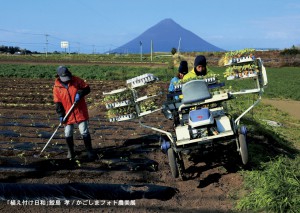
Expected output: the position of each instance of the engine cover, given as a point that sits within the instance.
(200, 117)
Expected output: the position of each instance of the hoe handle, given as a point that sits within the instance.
(65, 118)
(68, 113)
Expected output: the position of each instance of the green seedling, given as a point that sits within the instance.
(78, 163)
(22, 156)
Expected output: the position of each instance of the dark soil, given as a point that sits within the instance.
(128, 155)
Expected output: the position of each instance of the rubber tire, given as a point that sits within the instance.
(243, 148)
(173, 163)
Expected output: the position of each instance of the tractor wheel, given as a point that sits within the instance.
(173, 163)
(243, 148)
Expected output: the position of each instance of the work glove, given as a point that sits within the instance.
(61, 119)
(77, 98)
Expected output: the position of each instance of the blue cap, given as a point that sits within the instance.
(64, 73)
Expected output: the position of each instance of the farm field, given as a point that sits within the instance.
(127, 154)
(130, 164)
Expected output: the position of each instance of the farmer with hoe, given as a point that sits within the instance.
(70, 90)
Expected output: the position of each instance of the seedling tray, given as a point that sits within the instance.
(119, 104)
(123, 117)
(141, 80)
(241, 60)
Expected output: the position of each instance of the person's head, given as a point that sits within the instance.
(64, 74)
(200, 65)
(183, 69)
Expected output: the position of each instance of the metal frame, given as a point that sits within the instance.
(261, 82)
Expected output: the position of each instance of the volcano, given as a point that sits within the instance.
(164, 36)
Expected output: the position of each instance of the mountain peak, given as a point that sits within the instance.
(167, 21)
(166, 35)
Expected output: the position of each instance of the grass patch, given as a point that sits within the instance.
(275, 187)
(272, 178)
(283, 83)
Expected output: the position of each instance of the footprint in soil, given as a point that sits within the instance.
(211, 178)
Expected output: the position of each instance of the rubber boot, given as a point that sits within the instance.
(88, 146)
(70, 144)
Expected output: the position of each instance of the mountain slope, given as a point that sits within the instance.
(164, 36)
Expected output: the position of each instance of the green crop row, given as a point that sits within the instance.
(283, 82)
(132, 58)
(87, 72)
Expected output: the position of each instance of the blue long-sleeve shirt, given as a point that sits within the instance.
(172, 87)
(172, 82)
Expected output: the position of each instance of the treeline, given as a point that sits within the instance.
(291, 51)
(14, 50)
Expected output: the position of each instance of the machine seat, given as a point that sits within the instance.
(195, 91)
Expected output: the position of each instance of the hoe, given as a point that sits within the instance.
(60, 124)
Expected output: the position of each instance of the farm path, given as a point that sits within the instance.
(289, 106)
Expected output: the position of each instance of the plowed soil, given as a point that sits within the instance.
(126, 154)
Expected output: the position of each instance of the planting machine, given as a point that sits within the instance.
(199, 115)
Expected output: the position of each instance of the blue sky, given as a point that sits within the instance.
(100, 25)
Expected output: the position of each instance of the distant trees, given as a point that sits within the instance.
(291, 51)
(174, 51)
(13, 50)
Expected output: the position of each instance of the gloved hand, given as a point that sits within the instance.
(77, 97)
(61, 119)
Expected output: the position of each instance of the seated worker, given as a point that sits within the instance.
(182, 70)
(199, 69)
